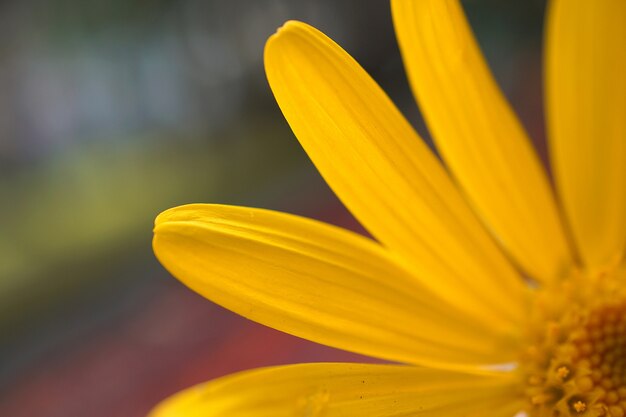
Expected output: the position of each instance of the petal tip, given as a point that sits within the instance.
(164, 216)
(290, 27)
(179, 213)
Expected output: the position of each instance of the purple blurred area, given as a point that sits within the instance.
(114, 111)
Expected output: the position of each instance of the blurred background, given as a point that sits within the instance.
(112, 111)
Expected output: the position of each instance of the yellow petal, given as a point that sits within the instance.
(383, 172)
(321, 283)
(478, 134)
(342, 390)
(586, 115)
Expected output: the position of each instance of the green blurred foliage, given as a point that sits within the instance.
(71, 220)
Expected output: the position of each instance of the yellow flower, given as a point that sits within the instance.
(497, 298)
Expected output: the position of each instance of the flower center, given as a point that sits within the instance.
(575, 364)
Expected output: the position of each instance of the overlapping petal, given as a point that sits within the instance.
(478, 134)
(586, 115)
(322, 283)
(342, 390)
(383, 172)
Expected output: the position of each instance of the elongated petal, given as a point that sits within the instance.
(383, 172)
(478, 135)
(586, 110)
(321, 283)
(342, 390)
